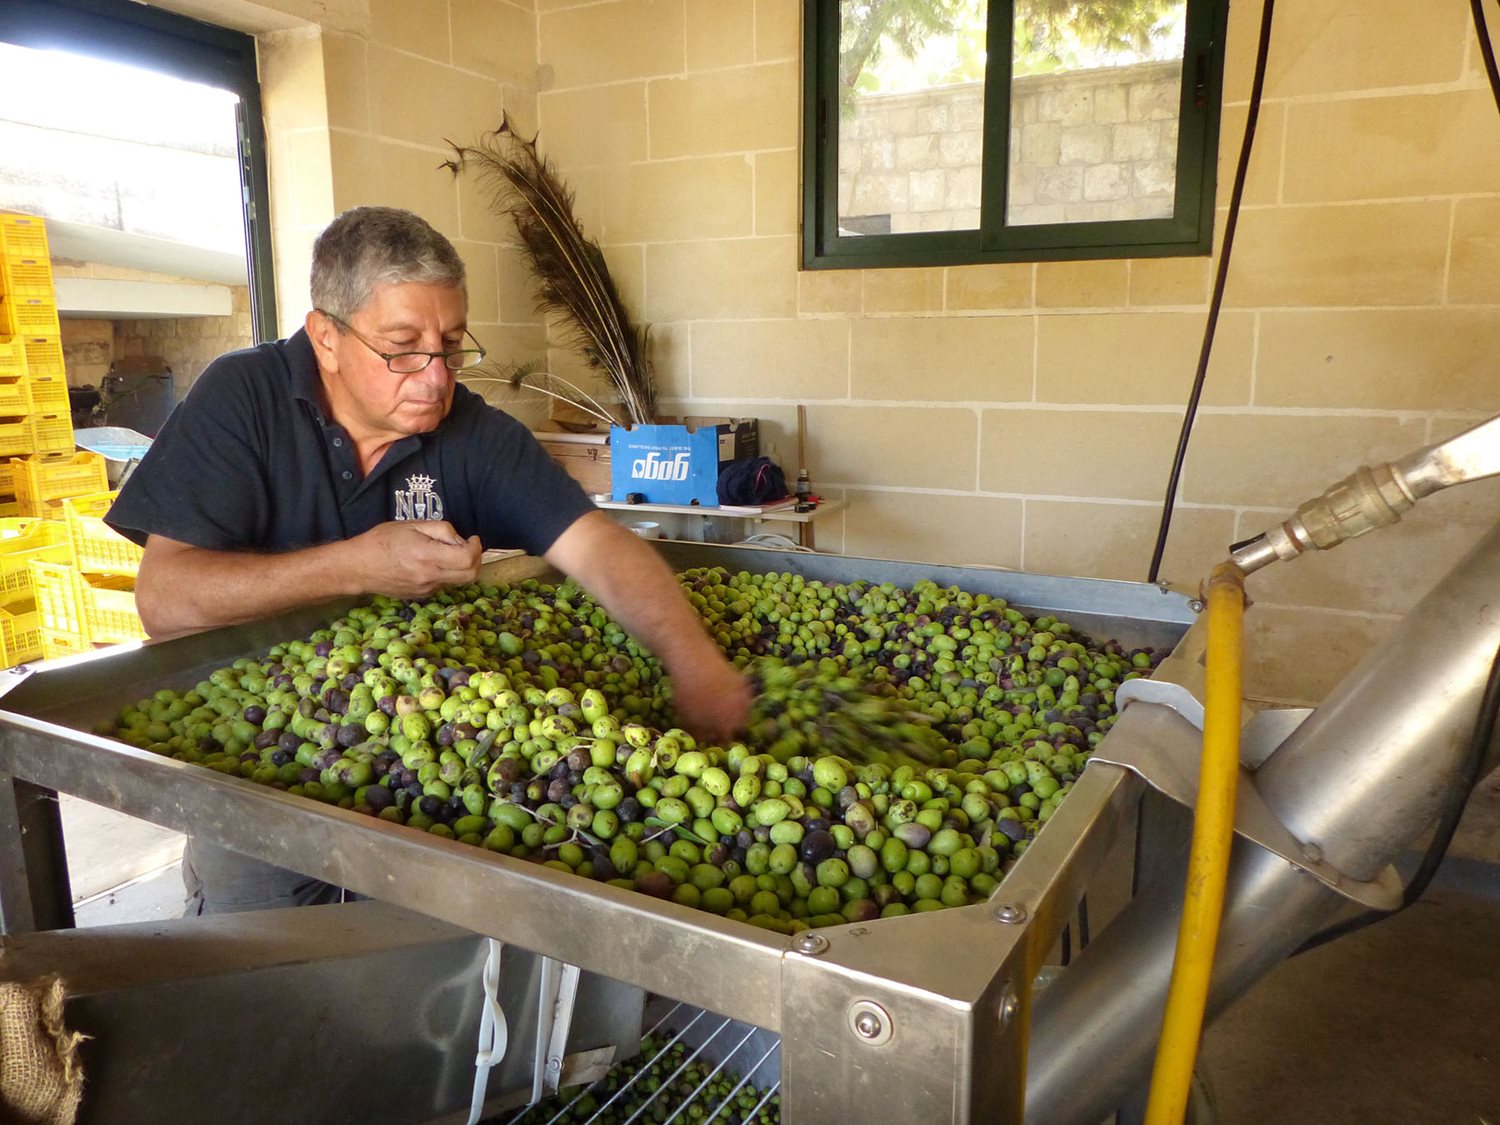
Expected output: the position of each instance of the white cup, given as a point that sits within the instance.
(646, 530)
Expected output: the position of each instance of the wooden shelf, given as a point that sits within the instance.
(768, 514)
(735, 512)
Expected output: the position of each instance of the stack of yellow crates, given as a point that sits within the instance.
(35, 420)
(24, 543)
(89, 599)
(42, 588)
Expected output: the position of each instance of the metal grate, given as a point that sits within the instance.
(702, 1067)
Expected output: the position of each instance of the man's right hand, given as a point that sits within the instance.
(412, 558)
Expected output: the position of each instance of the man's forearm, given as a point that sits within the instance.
(637, 587)
(182, 589)
(642, 593)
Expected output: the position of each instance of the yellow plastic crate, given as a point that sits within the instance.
(27, 276)
(47, 394)
(55, 645)
(41, 484)
(59, 645)
(20, 637)
(6, 487)
(9, 509)
(15, 437)
(44, 357)
(25, 532)
(58, 604)
(90, 609)
(15, 396)
(51, 433)
(32, 315)
(109, 609)
(13, 357)
(23, 236)
(38, 541)
(98, 548)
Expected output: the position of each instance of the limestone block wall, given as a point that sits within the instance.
(360, 100)
(188, 344)
(1085, 146)
(1018, 415)
(1025, 415)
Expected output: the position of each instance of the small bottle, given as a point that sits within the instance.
(804, 487)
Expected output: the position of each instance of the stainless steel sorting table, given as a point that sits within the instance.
(950, 990)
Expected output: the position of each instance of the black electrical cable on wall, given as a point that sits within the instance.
(1216, 301)
(1486, 48)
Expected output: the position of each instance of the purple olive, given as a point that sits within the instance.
(817, 846)
(912, 834)
(654, 883)
(1013, 829)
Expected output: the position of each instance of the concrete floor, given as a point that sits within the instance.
(1397, 1023)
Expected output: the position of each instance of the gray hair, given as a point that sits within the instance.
(370, 246)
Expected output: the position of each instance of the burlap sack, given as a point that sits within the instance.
(41, 1077)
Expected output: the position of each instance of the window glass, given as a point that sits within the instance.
(911, 116)
(1094, 108)
(941, 132)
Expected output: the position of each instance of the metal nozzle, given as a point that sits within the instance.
(1376, 496)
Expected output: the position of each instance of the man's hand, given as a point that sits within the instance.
(631, 581)
(712, 698)
(412, 558)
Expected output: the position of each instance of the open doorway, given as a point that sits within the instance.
(136, 135)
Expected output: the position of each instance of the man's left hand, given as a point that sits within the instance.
(712, 698)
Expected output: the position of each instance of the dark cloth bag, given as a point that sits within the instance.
(754, 480)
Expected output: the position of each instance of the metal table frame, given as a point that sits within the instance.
(865, 1017)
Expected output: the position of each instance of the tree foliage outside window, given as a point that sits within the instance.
(1097, 121)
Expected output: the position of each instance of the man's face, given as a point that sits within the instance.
(364, 395)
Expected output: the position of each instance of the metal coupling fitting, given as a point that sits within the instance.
(1366, 499)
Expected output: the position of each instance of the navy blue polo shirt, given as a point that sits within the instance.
(248, 461)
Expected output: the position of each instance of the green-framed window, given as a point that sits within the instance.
(945, 132)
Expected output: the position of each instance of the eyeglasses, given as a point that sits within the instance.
(409, 363)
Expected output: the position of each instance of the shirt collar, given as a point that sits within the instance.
(307, 384)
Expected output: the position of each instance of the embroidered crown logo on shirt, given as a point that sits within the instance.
(419, 500)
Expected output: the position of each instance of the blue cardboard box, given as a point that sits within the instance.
(678, 461)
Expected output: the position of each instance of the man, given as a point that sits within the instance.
(346, 461)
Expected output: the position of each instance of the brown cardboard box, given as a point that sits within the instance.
(585, 457)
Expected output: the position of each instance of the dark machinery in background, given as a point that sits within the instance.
(136, 394)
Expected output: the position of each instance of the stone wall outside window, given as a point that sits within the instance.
(1086, 146)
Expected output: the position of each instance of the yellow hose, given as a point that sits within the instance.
(1208, 863)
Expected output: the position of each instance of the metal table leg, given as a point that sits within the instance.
(35, 893)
